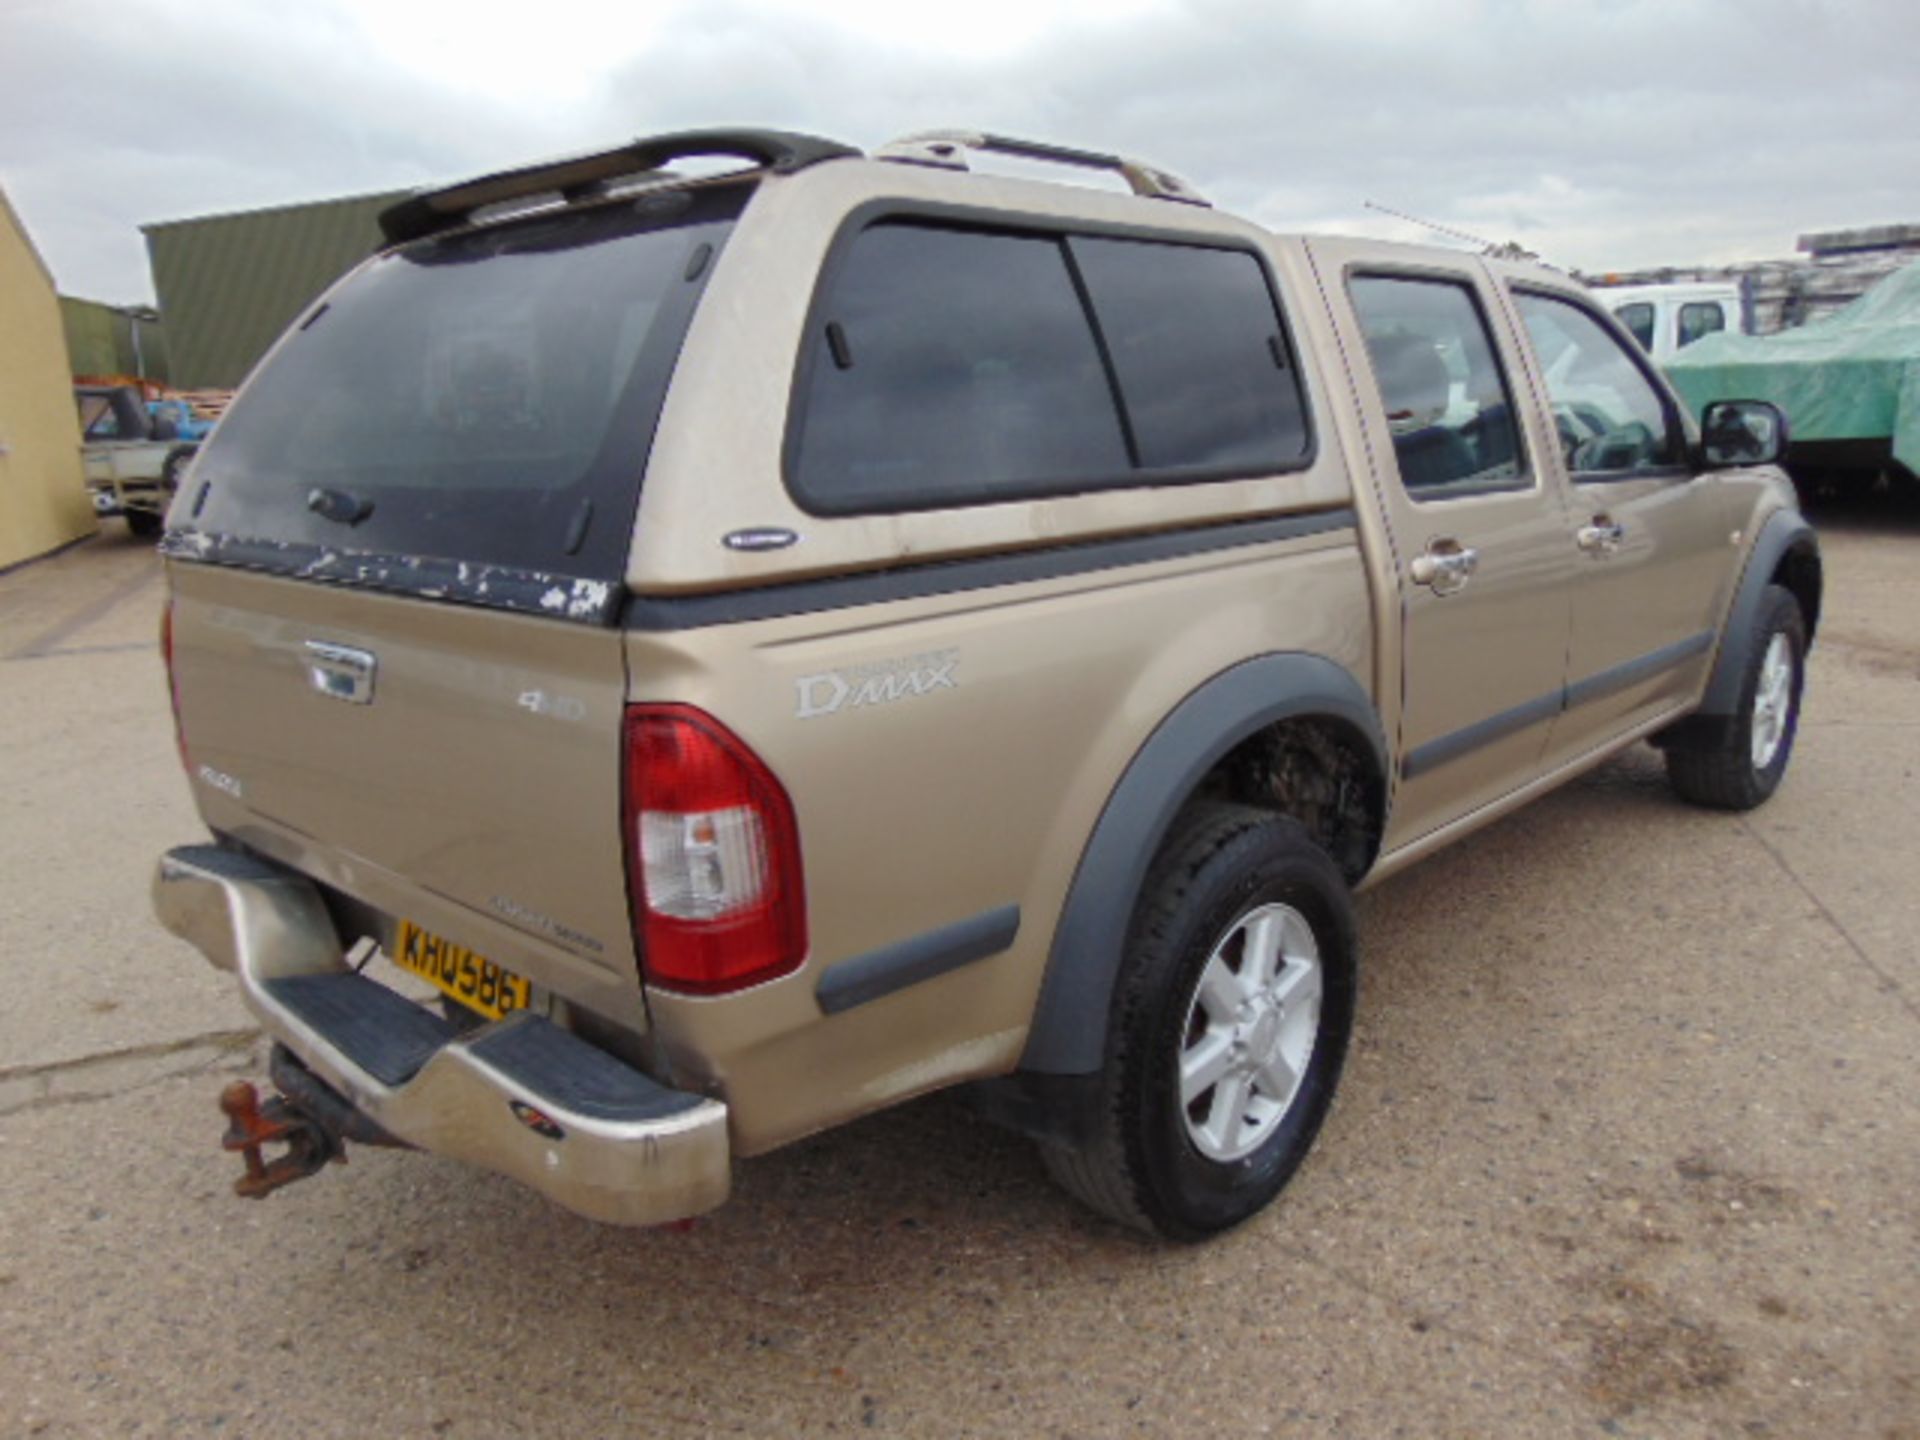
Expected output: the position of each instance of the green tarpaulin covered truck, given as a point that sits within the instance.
(1849, 384)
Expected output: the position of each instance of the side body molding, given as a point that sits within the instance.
(1070, 1022)
(1783, 531)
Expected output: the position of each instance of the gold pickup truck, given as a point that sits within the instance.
(753, 649)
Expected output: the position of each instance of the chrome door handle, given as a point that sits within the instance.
(341, 672)
(1602, 537)
(1445, 567)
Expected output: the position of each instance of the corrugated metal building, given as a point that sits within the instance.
(123, 341)
(229, 284)
(43, 492)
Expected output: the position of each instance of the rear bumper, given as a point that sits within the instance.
(520, 1096)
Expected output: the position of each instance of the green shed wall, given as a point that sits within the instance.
(230, 284)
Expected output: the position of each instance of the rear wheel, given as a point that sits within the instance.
(1747, 757)
(1229, 1026)
(145, 523)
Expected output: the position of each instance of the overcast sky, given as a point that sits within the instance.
(1604, 134)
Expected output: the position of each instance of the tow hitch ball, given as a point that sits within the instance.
(251, 1125)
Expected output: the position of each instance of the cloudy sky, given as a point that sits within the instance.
(1603, 133)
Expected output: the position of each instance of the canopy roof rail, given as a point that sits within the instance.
(946, 150)
(583, 176)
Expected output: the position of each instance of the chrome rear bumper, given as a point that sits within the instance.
(519, 1096)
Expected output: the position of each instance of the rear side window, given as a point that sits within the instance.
(484, 398)
(954, 366)
(1199, 352)
(1441, 387)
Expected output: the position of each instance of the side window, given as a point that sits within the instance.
(1638, 318)
(1448, 406)
(1199, 354)
(97, 420)
(954, 367)
(1699, 319)
(957, 366)
(1611, 419)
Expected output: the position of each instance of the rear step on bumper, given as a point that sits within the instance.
(520, 1096)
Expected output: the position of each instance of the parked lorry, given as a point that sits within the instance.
(777, 644)
(134, 453)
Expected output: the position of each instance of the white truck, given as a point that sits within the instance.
(134, 460)
(1665, 319)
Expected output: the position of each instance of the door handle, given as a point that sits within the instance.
(1602, 537)
(1446, 566)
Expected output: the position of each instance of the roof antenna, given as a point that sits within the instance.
(1500, 250)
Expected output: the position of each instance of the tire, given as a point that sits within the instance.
(1744, 761)
(146, 523)
(1230, 884)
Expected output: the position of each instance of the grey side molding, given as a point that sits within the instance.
(1070, 1022)
(1784, 531)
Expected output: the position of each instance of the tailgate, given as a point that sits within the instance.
(468, 779)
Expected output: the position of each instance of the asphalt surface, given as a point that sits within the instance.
(1629, 1144)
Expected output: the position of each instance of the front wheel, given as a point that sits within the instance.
(1745, 760)
(1229, 1026)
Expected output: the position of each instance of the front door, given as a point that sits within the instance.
(1649, 538)
(1476, 527)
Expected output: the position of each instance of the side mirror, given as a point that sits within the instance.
(163, 428)
(1742, 432)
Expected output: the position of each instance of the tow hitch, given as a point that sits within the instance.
(252, 1125)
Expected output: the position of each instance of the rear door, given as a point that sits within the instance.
(1648, 538)
(1476, 526)
(397, 579)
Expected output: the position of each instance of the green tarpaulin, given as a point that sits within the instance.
(1854, 375)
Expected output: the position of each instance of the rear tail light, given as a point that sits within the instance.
(173, 687)
(713, 855)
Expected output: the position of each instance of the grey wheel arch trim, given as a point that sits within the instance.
(1070, 1021)
(1784, 531)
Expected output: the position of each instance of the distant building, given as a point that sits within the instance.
(115, 342)
(43, 492)
(1840, 266)
(228, 285)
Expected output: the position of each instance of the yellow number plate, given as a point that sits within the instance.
(475, 981)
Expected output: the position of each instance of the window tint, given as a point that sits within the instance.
(959, 366)
(1197, 347)
(1610, 417)
(1700, 318)
(1447, 403)
(488, 395)
(954, 366)
(1638, 318)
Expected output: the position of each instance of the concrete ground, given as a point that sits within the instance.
(1629, 1145)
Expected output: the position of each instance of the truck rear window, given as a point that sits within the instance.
(468, 416)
